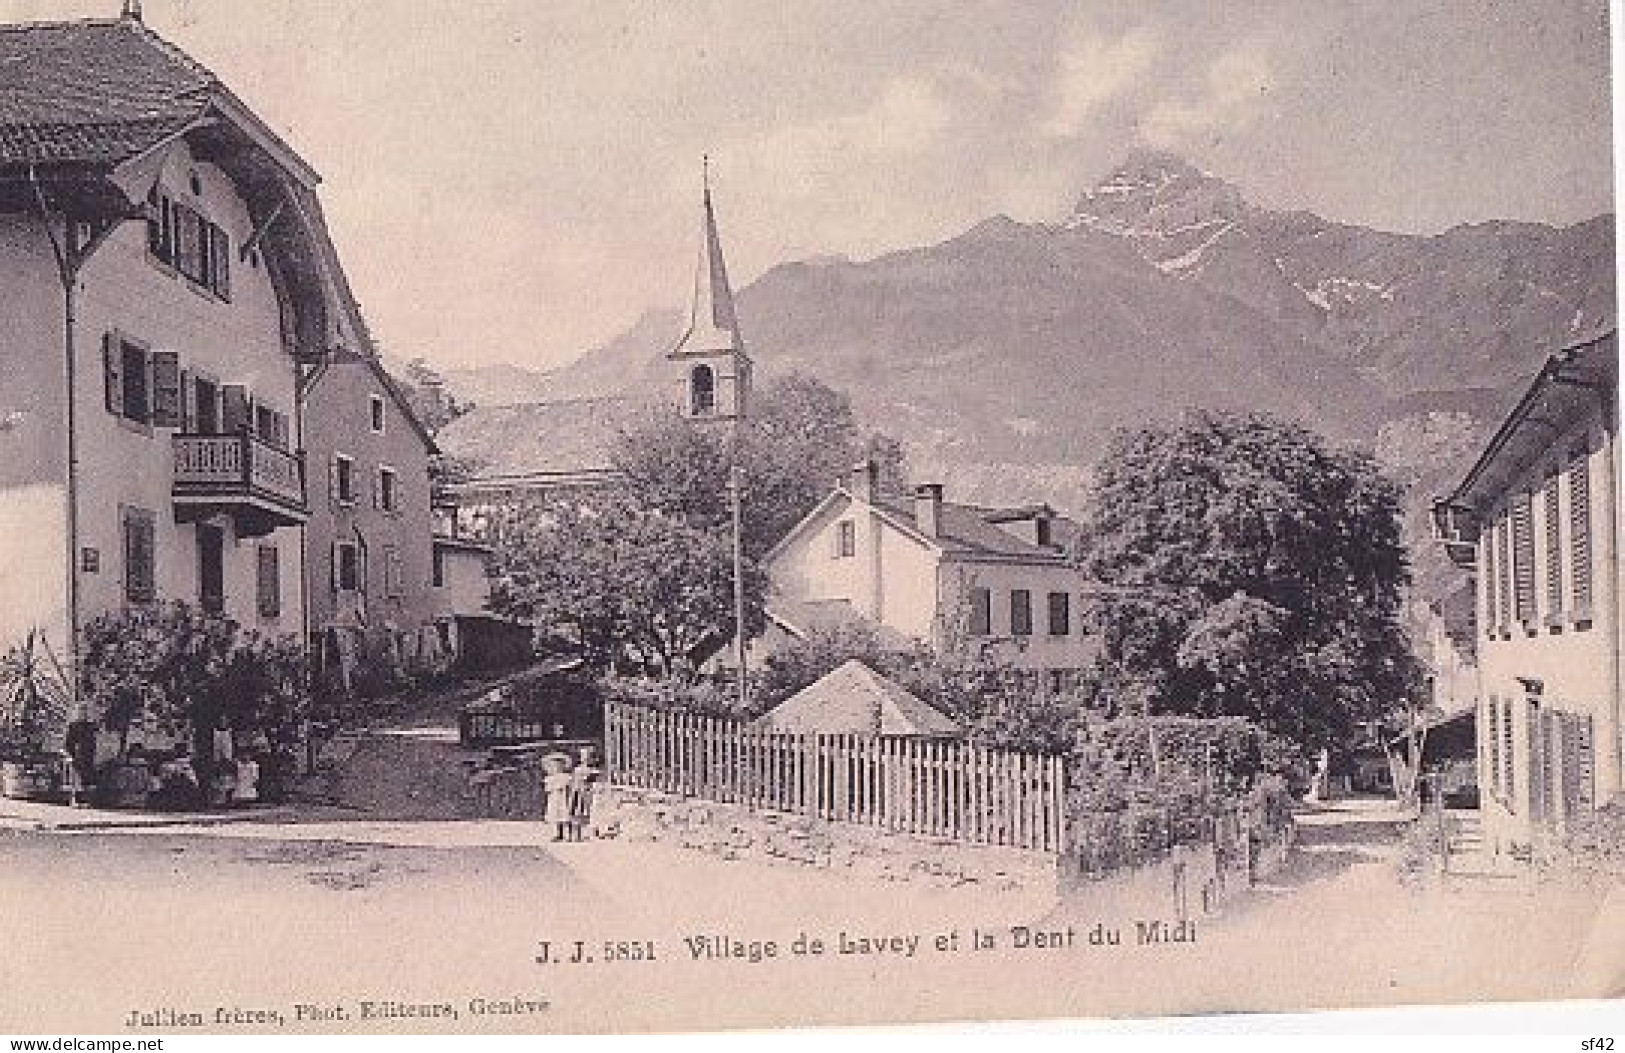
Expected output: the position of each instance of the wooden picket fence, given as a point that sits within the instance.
(937, 788)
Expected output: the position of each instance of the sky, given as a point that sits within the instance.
(518, 180)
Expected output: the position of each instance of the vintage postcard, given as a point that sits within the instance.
(631, 516)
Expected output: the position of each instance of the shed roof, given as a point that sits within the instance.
(855, 700)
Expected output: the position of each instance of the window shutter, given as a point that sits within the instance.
(112, 363)
(1580, 535)
(166, 389)
(333, 566)
(1523, 559)
(1494, 743)
(1488, 570)
(378, 488)
(233, 408)
(1552, 512)
(1508, 769)
(333, 481)
(219, 262)
(1586, 763)
(1503, 578)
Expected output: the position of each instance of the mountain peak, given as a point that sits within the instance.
(1155, 192)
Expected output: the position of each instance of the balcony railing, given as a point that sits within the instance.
(224, 468)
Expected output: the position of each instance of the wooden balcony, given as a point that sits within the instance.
(258, 485)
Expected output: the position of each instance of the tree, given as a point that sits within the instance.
(801, 436)
(425, 390)
(1250, 569)
(636, 588)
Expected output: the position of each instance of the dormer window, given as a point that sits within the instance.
(702, 391)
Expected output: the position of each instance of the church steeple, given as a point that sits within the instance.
(715, 370)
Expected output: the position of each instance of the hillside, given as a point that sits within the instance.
(1005, 356)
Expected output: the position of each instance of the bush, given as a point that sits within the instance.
(33, 699)
(187, 670)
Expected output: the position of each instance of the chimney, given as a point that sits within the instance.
(928, 509)
(864, 481)
(1043, 528)
(132, 10)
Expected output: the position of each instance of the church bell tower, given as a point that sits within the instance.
(711, 366)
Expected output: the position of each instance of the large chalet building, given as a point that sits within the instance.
(1536, 520)
(171, 293)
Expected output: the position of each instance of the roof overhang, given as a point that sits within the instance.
(1572, 382)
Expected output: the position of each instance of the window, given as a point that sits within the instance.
(1021, 612)
(179, 237)
(846, 539)
(394, 572)
(346, 567)
(375, 406)
(343, 480)
(137, 391)
(702, 389)
(437, 567)
(388, 498)
(269, 581)
(206, 406)
(1060, 614)
(981, 612)
(1580, 535)
(140, 555)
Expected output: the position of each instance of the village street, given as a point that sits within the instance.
(287, 911)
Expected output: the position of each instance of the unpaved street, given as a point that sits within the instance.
(283, 915)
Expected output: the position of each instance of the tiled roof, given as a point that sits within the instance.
(96, 91)
(538, 439)
(972, 529)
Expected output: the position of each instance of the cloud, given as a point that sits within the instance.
(1228, 98)
(907, 118)
(1093, 69)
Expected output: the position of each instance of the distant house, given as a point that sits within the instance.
(369, 558)
(1536, 521)
(855, 700)
(961, 578)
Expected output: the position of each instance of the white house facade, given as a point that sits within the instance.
(960, 578)
(1537, 521)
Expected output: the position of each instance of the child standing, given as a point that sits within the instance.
(582, 782)
(556, 785)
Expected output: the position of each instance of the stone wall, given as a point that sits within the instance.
(736, 832)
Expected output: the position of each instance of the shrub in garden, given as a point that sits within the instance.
(183, 670)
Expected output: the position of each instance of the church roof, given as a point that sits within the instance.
(713, 324)
(534, 441)
(855, 700)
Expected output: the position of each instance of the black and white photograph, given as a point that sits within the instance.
(650, 516)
